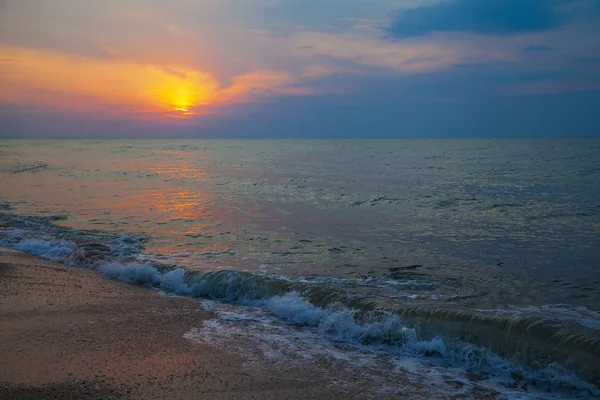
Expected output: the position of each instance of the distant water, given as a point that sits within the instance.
(491, 243)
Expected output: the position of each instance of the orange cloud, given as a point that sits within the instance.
(57, 80)
(260, 84)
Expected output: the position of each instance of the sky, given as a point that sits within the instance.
(299, 68)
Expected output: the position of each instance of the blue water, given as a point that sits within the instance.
(490, 230)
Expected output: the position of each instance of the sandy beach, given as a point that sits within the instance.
(70, 333)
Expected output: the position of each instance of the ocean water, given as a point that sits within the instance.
(480, 258)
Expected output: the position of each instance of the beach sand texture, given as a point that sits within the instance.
(69, 333)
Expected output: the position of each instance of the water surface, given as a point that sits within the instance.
(477, 228)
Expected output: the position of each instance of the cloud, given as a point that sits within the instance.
(298, 68)
(63, 81)
(489, 17)
(538, 48)
(331, 15)
(363, 52)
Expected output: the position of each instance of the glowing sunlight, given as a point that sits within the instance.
(50, 79)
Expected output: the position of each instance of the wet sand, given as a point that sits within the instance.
(69, 333)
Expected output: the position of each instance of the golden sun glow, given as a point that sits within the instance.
(186, 90)
(123, 87)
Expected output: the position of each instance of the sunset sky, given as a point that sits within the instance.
(299, 68)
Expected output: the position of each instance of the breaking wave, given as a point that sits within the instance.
(518, 349)
(395, 331)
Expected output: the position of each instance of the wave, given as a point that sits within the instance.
(55, 250)
(515, 345)
(39, 236)
(395, 330)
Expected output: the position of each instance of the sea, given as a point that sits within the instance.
(463, 265)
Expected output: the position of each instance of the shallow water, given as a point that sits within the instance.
(495, 235)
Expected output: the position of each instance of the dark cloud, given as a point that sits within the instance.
(538, 48)
(590, 60)
(491, 17)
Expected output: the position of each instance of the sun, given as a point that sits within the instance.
(183, 92)
(183, 98)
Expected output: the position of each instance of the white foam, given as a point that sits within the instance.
(51, 249)
(64, 251)
(341, 323)
(293, 308)
(337, 321)
(380, 331)
(267, 344)
(171, 281)
(131, 273)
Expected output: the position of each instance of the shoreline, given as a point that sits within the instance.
(71, 332)
(68, 332)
